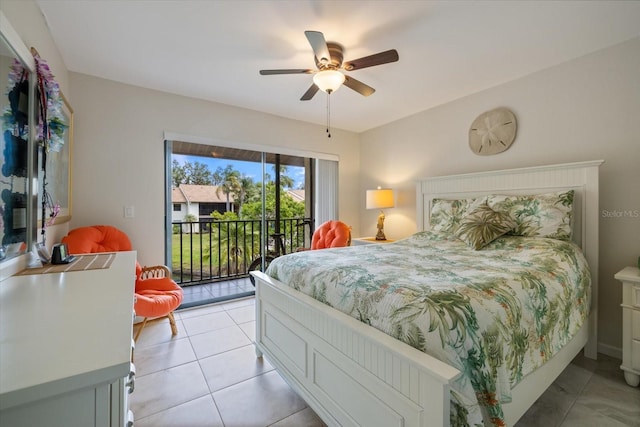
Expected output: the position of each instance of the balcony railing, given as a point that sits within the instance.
(211, 251)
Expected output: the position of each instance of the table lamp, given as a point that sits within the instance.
(381, 198)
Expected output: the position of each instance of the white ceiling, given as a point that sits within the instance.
(213, 50)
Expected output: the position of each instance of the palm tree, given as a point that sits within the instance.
(285, 181)
(246, 185)
(228, 181)
(239, 243)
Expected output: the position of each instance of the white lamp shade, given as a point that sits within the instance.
(381, 198)
(329, 80)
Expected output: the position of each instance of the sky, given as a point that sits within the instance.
(252, 169)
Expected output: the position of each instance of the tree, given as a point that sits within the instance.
(228, 182)
(198, 173)
(178, 174)
(247, 189)
(238, 244)
(289, 208)
(190, 173)
(285, 180)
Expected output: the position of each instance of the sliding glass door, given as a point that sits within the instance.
(227, 207)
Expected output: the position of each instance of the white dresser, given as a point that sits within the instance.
(630, 278)
(65, 347)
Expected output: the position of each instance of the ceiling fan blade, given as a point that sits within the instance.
(310, 92)
(319, 46)
(358, 86)
(286, 71)
(371, 60)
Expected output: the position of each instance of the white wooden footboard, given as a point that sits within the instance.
(349, 373)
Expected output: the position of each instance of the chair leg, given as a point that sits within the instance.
(144, 323)
(172, 321)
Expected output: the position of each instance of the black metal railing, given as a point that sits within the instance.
(210, 251)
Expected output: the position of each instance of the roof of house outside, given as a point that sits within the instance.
(297, 195)
(177, 196)
(190, 193)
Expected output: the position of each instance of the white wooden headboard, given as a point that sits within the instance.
(581, 177)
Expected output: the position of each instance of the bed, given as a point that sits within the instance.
(352, 373)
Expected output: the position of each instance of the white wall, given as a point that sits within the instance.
(187, 209)
(118, 156)
(585, 109)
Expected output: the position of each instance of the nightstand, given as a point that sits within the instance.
(630, 278)
(357, 241)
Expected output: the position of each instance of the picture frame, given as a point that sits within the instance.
(59, 172)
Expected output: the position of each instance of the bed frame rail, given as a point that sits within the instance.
(348, 372)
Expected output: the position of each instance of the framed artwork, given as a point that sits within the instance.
(59, 172)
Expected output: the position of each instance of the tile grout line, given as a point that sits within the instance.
(582, 389)
(236, 324)
(211, 393)
(215, 404)
(198, 360)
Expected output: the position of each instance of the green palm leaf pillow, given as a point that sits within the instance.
(541, 215)
(483, 225)
(446, 214)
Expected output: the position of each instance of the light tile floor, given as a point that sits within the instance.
(208, 376)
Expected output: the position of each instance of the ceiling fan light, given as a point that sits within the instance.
(329, 80)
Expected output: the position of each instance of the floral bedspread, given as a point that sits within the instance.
(495, 314)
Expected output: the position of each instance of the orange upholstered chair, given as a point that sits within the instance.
(157, 295)
(331, 234)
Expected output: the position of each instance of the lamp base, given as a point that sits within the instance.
(380, 227)
(380, 235)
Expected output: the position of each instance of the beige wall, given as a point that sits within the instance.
(585, 109)
(118, 156)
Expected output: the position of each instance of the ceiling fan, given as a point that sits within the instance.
(328, 57)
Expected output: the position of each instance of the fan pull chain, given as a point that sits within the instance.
(329, 114)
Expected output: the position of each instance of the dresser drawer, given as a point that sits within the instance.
(630, 279)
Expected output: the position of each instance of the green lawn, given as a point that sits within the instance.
(196, 246)
(191, 245)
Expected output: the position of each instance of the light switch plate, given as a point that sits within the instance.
(129, 212)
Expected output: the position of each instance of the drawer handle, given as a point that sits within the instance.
(131, 379)
(131, 384)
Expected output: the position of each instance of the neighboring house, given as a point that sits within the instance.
(199, 201)
(297, 195)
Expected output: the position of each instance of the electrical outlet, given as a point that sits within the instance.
(129, 212)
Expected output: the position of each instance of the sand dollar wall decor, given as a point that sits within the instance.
(492, 132)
